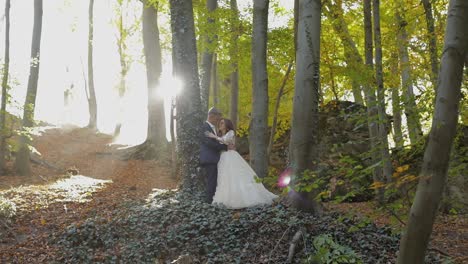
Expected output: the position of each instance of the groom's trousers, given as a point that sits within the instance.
(211, 175)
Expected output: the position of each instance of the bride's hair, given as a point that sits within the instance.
(229, 125)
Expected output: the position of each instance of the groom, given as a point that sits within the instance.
(210, 151)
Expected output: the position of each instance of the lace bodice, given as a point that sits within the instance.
(229, 138)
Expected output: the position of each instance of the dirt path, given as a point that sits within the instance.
(42, 212)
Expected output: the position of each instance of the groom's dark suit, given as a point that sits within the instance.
(210, 151)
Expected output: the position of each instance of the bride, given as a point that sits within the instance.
(236, 187)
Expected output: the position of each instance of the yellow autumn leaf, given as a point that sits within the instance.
(377, 185)
(43, 221)
(402, 168)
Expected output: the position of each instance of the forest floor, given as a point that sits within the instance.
(97, 207)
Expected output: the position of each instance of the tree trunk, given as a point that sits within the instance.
(371, 101)
(296, 23)
(215, 81)
(304, 127)
(411, 111)
(258, 140)
(207, 57)
(436, 157)
(353, 59)
(383, 139)
(277, 105)
(6, 72)
(92, 102)
(234, 55)
(432, 40)
(22, 164)
(156, 136)
(189, 114)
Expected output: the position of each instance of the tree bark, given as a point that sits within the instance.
(353, 59)
(411, 111)
(371, 101)
(189, 114)
(383, 139)
(277, 105)
(22, 163)
(437, 154)
(432, 41)
(92, 102)
(207, 57)
(304, 127)
(156, 136)
(258, 140)
(6, 72)
(234, 55)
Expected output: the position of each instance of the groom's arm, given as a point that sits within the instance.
(211, 143)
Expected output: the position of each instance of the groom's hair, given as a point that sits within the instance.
(214, 111)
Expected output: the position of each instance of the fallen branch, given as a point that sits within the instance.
(292, 247)
(440, 251)
(277, 243)
(37, 160)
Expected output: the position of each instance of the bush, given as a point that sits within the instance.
(328, 251)
(7, 208)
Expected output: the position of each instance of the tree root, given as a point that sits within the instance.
(292, 247)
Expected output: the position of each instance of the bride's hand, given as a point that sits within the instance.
(210, 135)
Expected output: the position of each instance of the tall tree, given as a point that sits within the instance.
(92, 102)
(207, 57)
(304, 127)
(156, 137)
(22, 164)
(444, 123)
(234, 54)
(411, 112)
(432, 40)
(189, 114)
(396, 107)
(383, 139)
(371, 101)
(6, 72)
(353, 59)
(258, 138)
(276, 110)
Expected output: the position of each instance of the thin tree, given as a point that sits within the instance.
(383, 139)
(432, 40)
(215, 80)
(92, 102)
(6, 72)
(22, 163)
(354, 61)
(304, 128)
(276, 110)
(371, 101)
(411, 111)
(258, 138)
(396, 107)
(188, 106)
(433, 174)
(234, 55)
(209, 39)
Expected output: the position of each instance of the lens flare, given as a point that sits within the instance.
(285, 178)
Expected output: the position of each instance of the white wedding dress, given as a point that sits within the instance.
(237, 187)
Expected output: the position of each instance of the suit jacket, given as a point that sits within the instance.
(210, 148)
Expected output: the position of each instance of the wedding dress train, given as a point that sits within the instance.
(237, 187)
